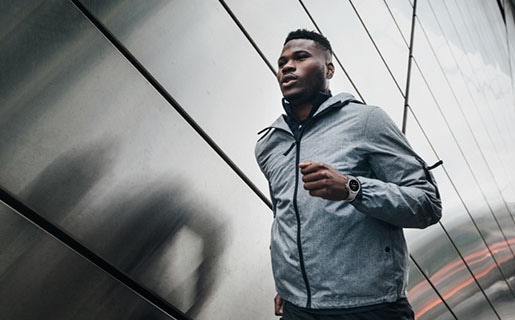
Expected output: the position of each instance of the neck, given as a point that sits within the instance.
(301, 111)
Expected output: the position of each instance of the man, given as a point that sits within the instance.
(344, 182)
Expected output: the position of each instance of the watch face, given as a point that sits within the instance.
(354, 185)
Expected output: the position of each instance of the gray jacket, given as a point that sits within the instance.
(337, 254)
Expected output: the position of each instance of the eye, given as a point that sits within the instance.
(301, 56)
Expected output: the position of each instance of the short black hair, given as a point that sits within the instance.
(310, 35)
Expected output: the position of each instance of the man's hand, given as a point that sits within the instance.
(279, 302)
(324, 181)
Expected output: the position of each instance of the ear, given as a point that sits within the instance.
(330, 70)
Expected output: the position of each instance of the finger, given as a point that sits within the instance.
(279, 310)
(314, 184)
(315, 176)
(278, 304)
(305, 164)
(311, 167)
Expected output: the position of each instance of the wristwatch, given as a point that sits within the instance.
(353, 186)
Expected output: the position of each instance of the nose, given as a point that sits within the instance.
(288, 67)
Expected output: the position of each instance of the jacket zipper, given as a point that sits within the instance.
(295, 206)
(297, 214)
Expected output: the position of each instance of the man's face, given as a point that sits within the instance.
(304, 69)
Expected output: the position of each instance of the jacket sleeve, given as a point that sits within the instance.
(400, 189)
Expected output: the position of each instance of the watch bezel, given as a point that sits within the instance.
(353, 192)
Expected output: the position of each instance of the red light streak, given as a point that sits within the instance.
(475, 259)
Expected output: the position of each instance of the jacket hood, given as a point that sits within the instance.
(336, 100)
(341, 98)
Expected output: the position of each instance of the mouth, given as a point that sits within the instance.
(288, 80)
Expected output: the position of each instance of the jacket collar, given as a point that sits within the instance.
(330, 102)
(320, 98)
(290, 119)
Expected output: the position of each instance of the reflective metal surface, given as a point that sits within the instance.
(128, 125)
(42, 279)
(88, 144)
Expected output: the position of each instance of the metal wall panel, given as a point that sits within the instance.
(343, 26)
(94, 146)
(88, 144)
(471, 198)
(269, 37)
(40, 278)
(457, 217)
(510, 31)
(198, 54)
(424, 299)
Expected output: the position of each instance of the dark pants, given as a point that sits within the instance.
(399, 310)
